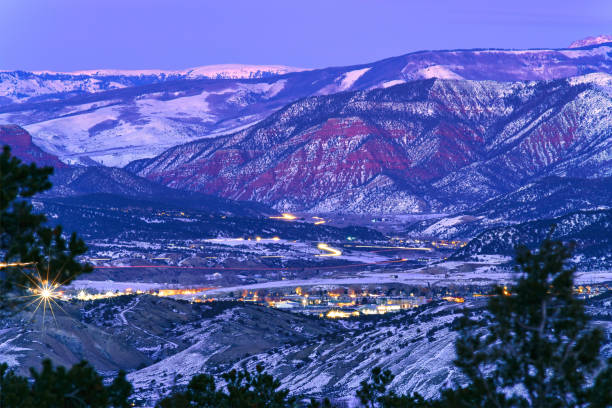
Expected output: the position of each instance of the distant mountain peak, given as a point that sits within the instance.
(585, 42)
(225, 71)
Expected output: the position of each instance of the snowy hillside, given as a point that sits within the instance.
(20, 86)
(115, 116)
(548, 197)
(424, 146)
(590, 230)
(219, 71)
(131, 126)
(164, 342)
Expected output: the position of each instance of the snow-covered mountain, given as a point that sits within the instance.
(21, 86)
(114, 183)
(114, 117)
(117, 116)
(590, 230)
(218, 71)
(430, 145)
(547, 198)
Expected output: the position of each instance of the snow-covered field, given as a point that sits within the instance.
(116, 132)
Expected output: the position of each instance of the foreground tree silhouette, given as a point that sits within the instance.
(373, 393)
(243, 389)
(52, 387)
(47, 255)
(533, 347)
(324, 403)
(24, 237)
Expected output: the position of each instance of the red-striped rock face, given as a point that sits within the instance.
(433, 144)
(21, 145)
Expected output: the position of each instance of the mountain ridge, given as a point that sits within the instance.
(224, 71)
(68, 116)
(427, 145)
(588, 230)
(546, 198)
(72, 181)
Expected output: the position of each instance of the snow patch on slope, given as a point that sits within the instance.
(438, 71)
(447, 225)
(388, 84)
(600, 79)
(351, 77)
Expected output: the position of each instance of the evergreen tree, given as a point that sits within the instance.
(79, 387)
(47, 255)
(14, 389)
(600, 394)
(257, 390)
(533, 347)
(201, 392)
(372, 390)
(119, 391)
(325, 403)
(373, 393)
(243, 389)
(24, 237)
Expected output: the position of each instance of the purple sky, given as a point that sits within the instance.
(65, 35)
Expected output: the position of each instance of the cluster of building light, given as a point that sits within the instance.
(591, 290)
(339, 314)
(335, 305)
(85, 296)
(451, 244)
(175, 292)
(365, 310)
(454, 299)
(257, 238)
(291, 217)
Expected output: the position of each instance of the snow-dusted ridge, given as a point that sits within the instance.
(585, 42)
(113, 116)
(228, 71)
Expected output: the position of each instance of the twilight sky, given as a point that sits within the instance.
(66, 35)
